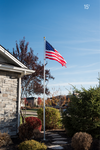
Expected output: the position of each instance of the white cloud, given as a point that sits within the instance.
(90, 65)
(86, 6)
(80, 72)
(72, 66)
(55, 68)
(86, 51)
(86, 40)
(65, 88)
(73, 83)
(61, 68)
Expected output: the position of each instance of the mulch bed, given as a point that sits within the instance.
(48, 142)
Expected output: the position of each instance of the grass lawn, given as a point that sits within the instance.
(20, 120)
(34, 111)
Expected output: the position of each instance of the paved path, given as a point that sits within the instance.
(57, 140)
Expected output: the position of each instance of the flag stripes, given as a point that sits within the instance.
(53, 54)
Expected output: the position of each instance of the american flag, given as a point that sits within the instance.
(53, 54)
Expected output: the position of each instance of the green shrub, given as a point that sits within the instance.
(25, 131)
(32, 145)
(83, 113)
(52, 117)
(81, 141)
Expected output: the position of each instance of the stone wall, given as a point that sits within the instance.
(8, 102)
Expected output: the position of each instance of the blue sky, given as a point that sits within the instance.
(70, 26)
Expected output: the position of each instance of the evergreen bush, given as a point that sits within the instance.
(52, 117)
(83, 113)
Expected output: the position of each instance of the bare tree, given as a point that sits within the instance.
(31, 84)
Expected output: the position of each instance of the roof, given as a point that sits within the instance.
(9, 63)
(31, 98)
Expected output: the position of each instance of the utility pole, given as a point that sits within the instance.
(99, 78)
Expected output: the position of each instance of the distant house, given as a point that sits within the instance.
(11, 71)
(32, 101)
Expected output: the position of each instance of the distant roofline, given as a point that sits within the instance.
(30, 98)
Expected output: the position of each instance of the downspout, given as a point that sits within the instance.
(19, 99)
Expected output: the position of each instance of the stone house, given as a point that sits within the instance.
(11, 71)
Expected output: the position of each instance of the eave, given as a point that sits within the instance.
(22, 71)
(7, 54)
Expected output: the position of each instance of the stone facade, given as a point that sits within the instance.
(8, 102)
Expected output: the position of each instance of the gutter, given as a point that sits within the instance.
(23, 71)
(19, 100)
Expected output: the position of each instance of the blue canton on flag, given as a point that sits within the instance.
(53, 54)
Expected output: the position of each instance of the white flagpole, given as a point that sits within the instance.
(44, 89)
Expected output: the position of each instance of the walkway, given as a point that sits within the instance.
(57, 140)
